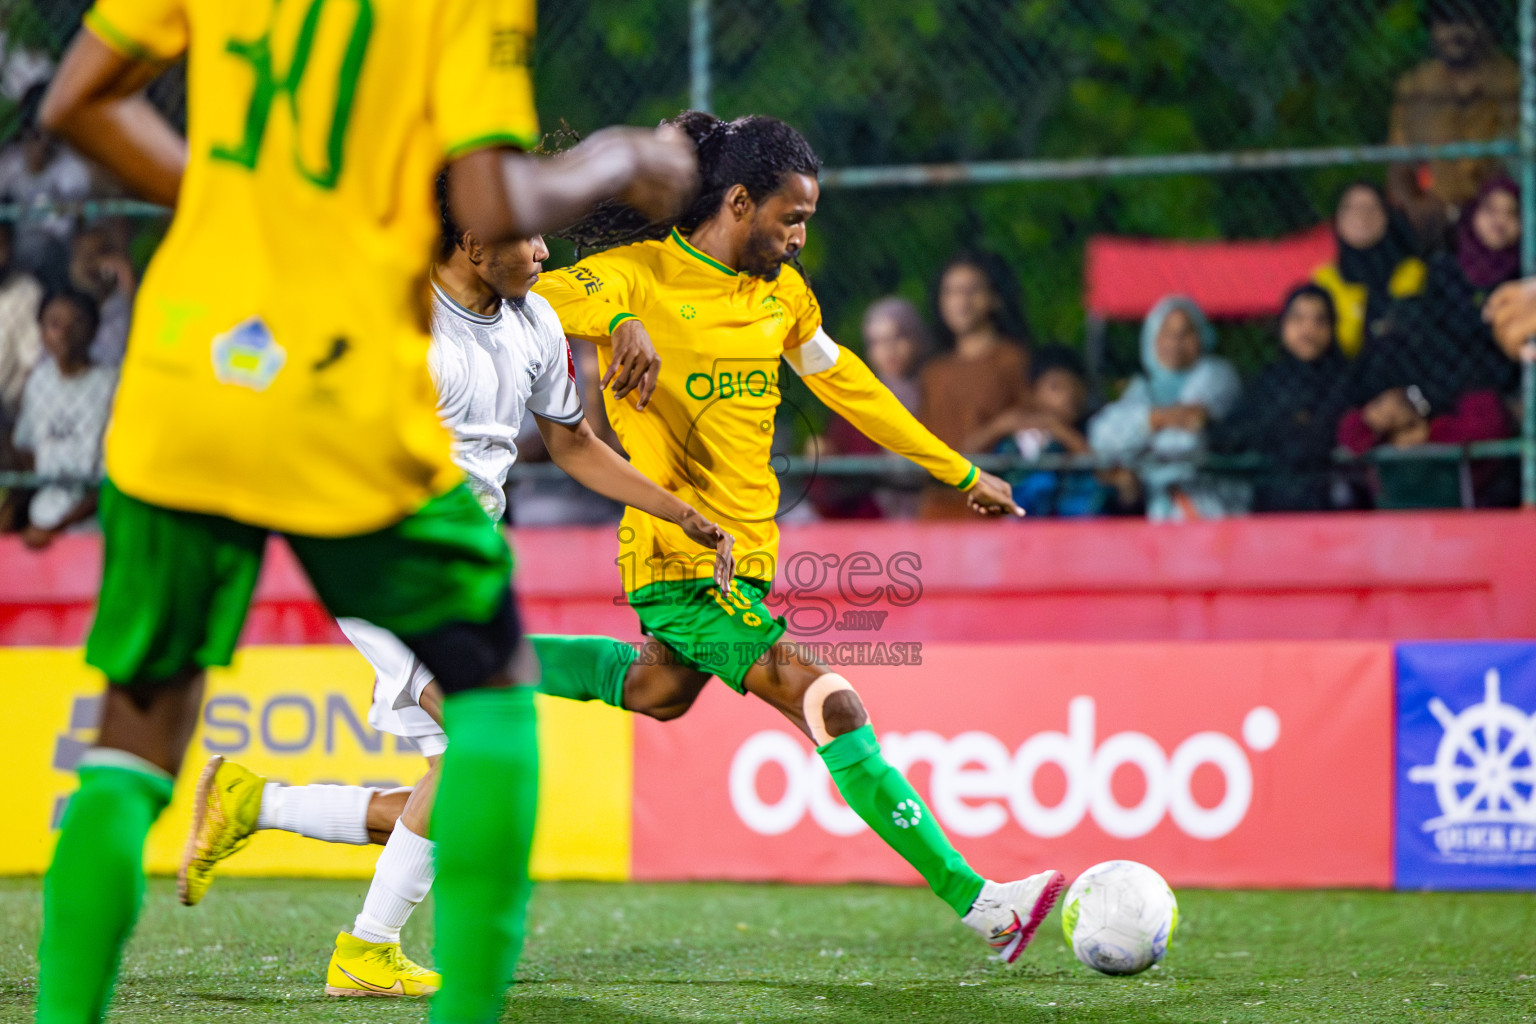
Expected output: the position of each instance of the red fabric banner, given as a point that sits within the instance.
(1127, 276)
(1223, 764)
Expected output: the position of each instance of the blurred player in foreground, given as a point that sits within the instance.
(714, 288)
(292, 395)
(496, 351)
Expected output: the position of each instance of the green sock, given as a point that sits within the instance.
(887, 802)
(92, 893)
(583, 667)
(482, 822)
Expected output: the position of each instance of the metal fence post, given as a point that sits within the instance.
(698, 58)
(1528, 239)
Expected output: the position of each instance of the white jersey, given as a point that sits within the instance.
(489, 370)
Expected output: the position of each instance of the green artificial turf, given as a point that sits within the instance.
(256, 951)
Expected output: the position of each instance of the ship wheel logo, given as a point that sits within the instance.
(1485, 765)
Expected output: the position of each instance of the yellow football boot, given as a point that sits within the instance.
(361, 968)
(223, 817)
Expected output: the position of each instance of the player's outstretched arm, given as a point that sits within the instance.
(499, 195)
(1511, 312)
(849, 388)
(594, 465)
(95, 102)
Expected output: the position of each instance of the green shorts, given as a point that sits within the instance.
(721, 635)
(176, 585)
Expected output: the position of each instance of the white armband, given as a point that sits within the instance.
(816, 355)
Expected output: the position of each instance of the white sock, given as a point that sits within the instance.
(400, 881)
(333, 814)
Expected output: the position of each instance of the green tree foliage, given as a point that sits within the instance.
(898, 81)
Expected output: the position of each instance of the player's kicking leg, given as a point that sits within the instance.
(736, 638)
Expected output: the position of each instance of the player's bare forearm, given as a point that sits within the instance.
(583, 456)
(500, 195)
(94, 103)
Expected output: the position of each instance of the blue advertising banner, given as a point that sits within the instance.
(1466, 765)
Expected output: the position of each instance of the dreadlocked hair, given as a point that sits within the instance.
(756, 152)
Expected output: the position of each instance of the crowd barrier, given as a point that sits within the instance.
(1374, 747)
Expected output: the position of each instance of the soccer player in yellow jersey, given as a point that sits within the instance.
(290, 394)
(713, 292)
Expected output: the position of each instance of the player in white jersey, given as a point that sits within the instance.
(498, 351)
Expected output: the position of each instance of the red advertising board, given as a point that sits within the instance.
(1223, 764)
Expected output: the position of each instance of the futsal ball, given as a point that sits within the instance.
(1118, 917)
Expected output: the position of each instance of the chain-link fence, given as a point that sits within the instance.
(1058, 134)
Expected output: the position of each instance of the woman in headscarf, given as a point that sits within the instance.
(1293, 408)
(1376, 264)
(1163, 415)
(1448, 320)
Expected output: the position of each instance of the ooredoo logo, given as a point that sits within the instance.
(977, 783)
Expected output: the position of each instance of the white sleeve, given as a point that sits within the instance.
(556, 394)
(816, 355)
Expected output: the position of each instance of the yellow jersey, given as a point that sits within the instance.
(707, 433)
(277, 367)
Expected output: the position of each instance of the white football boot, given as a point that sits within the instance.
(1006, 914)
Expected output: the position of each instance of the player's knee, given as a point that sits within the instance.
(656, 693)
(832, 708)
(466, 655)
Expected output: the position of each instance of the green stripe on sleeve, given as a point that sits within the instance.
(117, 39)
(970, 479)
(620, 319)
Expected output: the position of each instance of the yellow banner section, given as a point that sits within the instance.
(300, 715)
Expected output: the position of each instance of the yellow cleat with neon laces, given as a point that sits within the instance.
(224, 814)
(360, 968)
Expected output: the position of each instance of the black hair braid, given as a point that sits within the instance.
(755, 152)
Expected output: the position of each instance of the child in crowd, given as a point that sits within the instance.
(1163, 415)
(1053, 425)
(64, 411)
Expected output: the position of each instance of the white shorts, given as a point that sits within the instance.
(399, 677)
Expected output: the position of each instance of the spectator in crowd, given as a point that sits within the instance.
(1163, 415)
(20, 343)
(1291, 411)
(982, 370)
(896, 342)
(1468, 91)
(1487, 254)
(1403, 413)
(38, 173)
(99, 267)
(1376, 264)
(64, 412)
(1054, 424)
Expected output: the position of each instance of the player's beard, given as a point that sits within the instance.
(762, 257)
